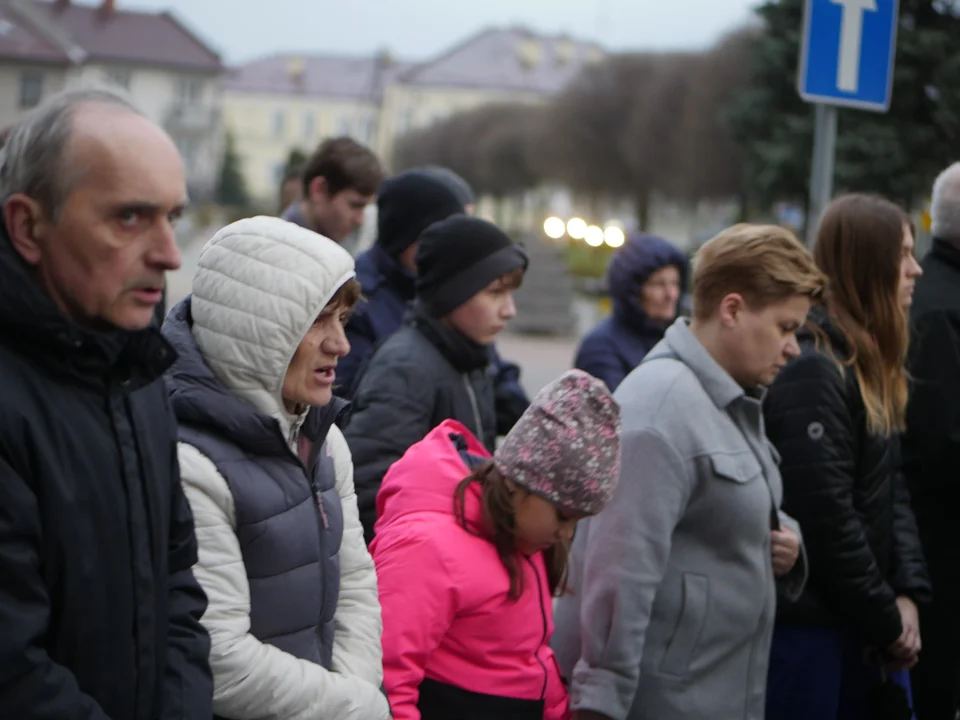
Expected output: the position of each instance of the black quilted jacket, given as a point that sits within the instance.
(845, 488)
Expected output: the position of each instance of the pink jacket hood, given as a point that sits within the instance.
(425, 478)
(448, 620)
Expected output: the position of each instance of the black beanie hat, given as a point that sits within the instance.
(460, 187)
(407, 205)
(458, 257)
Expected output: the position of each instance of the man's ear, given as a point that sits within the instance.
(26, 226)
(318, 188)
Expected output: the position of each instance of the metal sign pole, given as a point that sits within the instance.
(821, 178)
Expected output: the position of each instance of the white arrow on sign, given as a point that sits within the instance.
(851, 36)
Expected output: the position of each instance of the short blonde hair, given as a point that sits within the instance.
(765, 264)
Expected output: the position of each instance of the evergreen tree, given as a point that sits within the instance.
(232, 189)
(295, 161)
(896, 154)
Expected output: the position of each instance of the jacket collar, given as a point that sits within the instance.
(722, 389)
(460, 351)
(32, 324)
(946, 251)
(294, 214)
(393, 273)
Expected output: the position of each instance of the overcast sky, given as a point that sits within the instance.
(417, 29)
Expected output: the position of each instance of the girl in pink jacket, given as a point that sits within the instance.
(470, 549)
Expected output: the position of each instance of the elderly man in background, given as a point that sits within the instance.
(931, 448)
(99, 609)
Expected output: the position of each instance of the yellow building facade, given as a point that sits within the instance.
(276, 104)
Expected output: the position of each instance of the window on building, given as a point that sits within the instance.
(309, 126)
(31, 89)
(119, 76)
(190, 90)
(279, 123)
(366, 129)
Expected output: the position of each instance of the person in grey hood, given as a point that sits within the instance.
(293, 611)
(674, 584)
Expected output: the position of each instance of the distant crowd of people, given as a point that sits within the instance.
(318, 490)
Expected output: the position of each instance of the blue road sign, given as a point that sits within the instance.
(848, 52)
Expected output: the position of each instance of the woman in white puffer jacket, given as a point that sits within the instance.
(293, 612)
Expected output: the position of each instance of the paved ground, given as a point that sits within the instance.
(540, 358)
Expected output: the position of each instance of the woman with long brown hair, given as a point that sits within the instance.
(835, 414)
(470, 549)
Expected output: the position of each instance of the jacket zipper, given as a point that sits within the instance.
(475, 406)
(322, 525)
(543, 640)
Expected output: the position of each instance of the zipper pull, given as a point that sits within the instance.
(323, 512)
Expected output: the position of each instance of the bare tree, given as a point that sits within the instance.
(630, 127)
(488, 146)
(711, 161)
(615, 130)
(576, 143)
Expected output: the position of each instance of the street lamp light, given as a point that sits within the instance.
(554, 228)
(593, 236)
(576, 228)
(614, 236)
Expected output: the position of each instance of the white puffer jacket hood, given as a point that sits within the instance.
(259, 286)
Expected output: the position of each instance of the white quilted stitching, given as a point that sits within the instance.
(259, 285)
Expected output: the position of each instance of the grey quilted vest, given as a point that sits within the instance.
(289, 520)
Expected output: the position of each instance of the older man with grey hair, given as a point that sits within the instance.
(99, 609)
(931, 450)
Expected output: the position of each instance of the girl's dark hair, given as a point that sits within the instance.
(496, 499)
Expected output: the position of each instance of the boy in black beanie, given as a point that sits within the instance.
(438, 366)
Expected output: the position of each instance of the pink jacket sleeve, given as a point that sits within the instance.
(418, 598)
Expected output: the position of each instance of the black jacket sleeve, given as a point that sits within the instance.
(510, 398)
(909, 570)
(810, 422)
(32, 685)
(392, 411)
(188, 684)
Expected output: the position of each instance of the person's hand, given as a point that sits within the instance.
(906, 650)
(785, 549)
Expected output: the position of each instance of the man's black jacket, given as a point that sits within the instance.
(99, 610)
(932, 442)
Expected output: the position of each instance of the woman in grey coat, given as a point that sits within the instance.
(674, 585)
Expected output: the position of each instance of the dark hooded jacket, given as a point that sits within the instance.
(422, 375)
(407, 205)
(99, 609)
(845, 488)
(619, 342)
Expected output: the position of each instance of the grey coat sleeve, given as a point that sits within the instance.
(626, 555)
